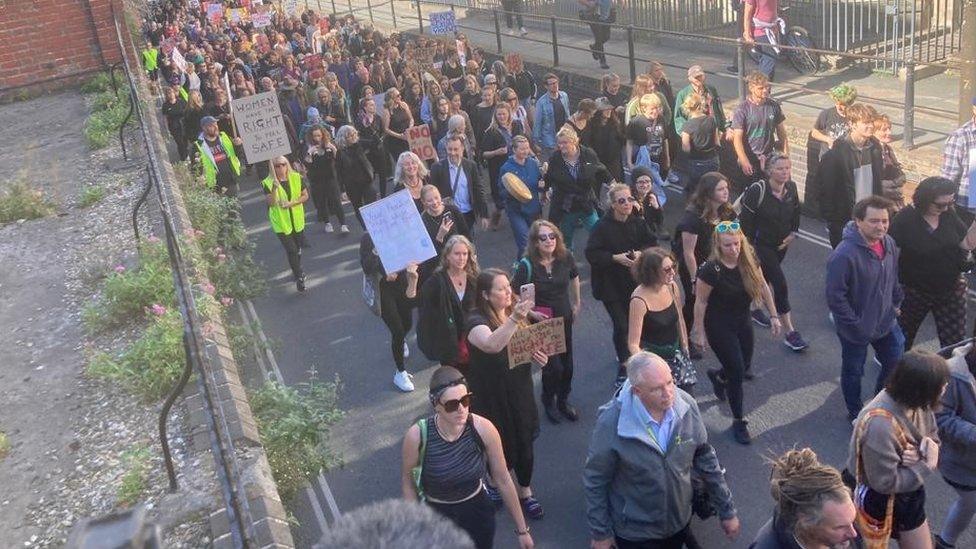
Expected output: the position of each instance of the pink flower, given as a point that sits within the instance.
(221, 258)
(208, 288)
(153, 238)
(157, 309)
(197, 233)
(227, 301)
(120, 269)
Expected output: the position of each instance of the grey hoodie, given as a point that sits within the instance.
(635, 491)
(957, 423)
(862, 290)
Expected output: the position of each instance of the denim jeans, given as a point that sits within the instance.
(520, 223)
(567, 224)
(694, 169)
(887, 348)
(767, 56)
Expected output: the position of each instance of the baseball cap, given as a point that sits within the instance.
(207, 120)
(695, 71)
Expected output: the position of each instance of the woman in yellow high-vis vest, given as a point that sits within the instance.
(286, 194)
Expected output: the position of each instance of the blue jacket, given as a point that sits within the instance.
(634, 490)
(957, 422)
(544, 128)
(863, 291)
(530, 174)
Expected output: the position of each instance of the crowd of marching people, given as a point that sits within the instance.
(511, 146)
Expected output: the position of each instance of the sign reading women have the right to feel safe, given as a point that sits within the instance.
(397, 231)
(260, 126)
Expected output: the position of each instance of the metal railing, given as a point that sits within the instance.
(197, 357)
(553, 22)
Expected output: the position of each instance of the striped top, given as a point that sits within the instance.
(453, 470)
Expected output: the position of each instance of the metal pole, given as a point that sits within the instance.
(630, 52)
(350, 6)
(555, 42)
(334, 10)
(369, 8)
(393, 12)
(742, 68)
(498, 32)
(910, 104)
(420, 18)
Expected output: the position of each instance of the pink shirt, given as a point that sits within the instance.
(766, 10)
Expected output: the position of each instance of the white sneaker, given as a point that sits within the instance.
(329, 228)
(522, 31)
(344, 229)
(403, 382)
(406, 350)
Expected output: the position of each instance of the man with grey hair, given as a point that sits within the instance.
(655, 428)
(395, 523)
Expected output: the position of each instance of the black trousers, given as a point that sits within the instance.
(325, 195)
(360, 196)
(770, 259)
(731, 338)
(601, 35)
(510, 7)
(557, 376)
(396, 310)
(619, 312)
(835, 232)
(475, 516)
(293, 244)
(683, 538)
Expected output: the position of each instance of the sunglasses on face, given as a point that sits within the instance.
(727, 226)
(547, 236)
(451, 406)
(625, 199)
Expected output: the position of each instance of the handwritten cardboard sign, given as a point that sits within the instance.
(549, 336)
(179, 60)
(443, 22)
(215, 11)
(418, 137)
(397, 230)
(261, 126)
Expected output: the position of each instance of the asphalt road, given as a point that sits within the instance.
(795, 399)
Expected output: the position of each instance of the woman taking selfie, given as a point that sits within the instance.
(551, 270)
(727, 285)
(503, 394)
(454, 450)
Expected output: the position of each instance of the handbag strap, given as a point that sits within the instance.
(683, 336)
(862, 426)
(457, 176)
(422, 425)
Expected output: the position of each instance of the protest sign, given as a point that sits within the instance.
(397, 231)
(194, 4)
(313, 65)
(380, 100)
(179, 60)
(215, 11)
(443, 22)
(418, 137)
(261, 126)
(167, 45)
(548, 336)
(260, 18)
(236, 15)
(290, 8)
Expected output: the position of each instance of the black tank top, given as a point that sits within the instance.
(660, 328)
(453, 470)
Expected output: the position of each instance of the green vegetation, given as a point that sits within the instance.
(98, 83)
(152, 364)
(135, 481)
(129, 292)
(18, 200)
(294, 423)
(90, 195)
(107, 114)
(4, 445)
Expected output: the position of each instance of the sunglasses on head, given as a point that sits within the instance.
(453, 404)
(625, 199)
(727, 226)
(547, 236)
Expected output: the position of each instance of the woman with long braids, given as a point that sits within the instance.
(727, 284)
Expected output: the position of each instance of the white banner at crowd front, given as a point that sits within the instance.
(261, 126)
(397, 231)
(179, 60)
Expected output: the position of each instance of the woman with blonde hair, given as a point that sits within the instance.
(445, 298)
(412, 174)
(700, 138)
(727, 285)
(396, 119)
(644, 85)
(575, 175)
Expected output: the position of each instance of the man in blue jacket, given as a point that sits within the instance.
(637, 477)
(863, 295)
(551, 112)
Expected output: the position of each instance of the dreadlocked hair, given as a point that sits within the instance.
(800, 485)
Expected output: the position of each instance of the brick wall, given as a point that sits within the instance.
(50, 40)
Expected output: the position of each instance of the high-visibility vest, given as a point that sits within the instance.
(286, 220)
(150, 59)
(207, 159)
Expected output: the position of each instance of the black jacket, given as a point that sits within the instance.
(835, 179)
(612, 281)
(440, 177)
(355, 171)
(442, 316)
(578, 194)
(768, 223)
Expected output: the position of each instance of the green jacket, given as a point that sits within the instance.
(286, 220)
(209, 166)
(717, 112)
(150, 59)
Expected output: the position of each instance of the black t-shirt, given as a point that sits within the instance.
(642, 131)
(729, 296)
(551, 287)
(692, 222)
(930, 261)
(832, 124)
(559, 113)
(702, 133)
(225, 173)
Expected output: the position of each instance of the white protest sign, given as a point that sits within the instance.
(290, 7)
(179, 60)
(397, 231)
(261, 126)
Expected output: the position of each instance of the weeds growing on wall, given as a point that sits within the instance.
(19, 200)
